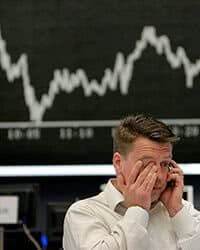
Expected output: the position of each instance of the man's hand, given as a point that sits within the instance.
(137, 191)
(172, 196)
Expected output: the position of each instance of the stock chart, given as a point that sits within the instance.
(70, 70)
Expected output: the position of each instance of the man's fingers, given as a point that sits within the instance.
(134, 173)
(143, 175)
(150, 182)
(151, 176)
(177, 171)
(176, 177)
(175, 166)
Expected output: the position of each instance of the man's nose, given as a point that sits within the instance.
(159, 171)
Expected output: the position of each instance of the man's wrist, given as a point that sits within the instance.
(173, 211)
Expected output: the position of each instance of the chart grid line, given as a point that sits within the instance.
(88, 123)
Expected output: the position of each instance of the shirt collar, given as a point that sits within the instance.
(112, 195)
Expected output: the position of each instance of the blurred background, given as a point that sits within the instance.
(69, 71)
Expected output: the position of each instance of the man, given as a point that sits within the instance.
(142, 208)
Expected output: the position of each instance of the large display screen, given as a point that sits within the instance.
(69, 70)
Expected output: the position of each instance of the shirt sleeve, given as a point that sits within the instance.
(186, 224)
(84, 230)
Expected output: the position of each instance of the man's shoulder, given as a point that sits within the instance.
(187, 203)
(88, 204)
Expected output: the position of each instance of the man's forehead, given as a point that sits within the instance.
(150, 149)
(153, 147)
(150, 157)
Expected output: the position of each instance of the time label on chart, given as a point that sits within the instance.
(79, 133)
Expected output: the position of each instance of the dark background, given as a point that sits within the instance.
(88, 35)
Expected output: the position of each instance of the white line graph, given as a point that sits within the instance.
(113, 79)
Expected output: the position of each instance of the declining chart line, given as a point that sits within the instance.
(113, 79)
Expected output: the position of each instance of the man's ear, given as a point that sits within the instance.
(117, 162)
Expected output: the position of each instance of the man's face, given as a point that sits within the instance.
(148, 152)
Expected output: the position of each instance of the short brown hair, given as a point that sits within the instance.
(133, 126)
